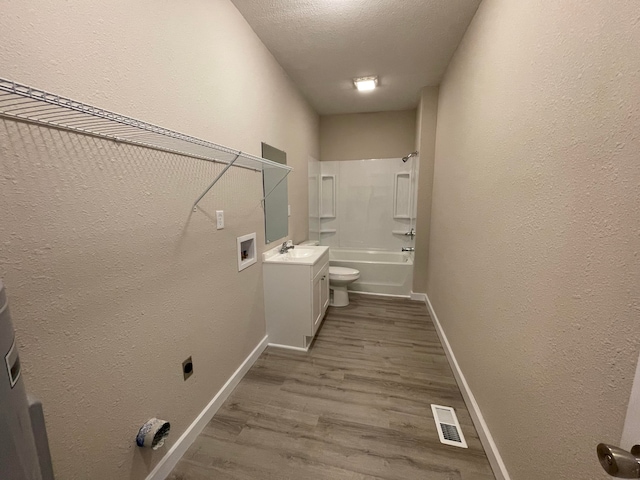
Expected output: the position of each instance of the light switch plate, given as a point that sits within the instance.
(219, 219)
(289, 210)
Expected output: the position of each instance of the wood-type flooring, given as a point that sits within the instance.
(356, 406)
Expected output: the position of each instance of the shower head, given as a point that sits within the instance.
(412, 154)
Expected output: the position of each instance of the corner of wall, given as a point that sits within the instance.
(426, 121)
(164, 467)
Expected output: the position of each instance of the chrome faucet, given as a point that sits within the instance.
(286, 246)
(408, 249)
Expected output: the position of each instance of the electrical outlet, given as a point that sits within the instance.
(219, 219)
(187, 368)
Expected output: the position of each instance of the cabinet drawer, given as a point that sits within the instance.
(320, 264)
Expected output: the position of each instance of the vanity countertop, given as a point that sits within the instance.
(299, 255)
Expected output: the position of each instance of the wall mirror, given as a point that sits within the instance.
(276, 205)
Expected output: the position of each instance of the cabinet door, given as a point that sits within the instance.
(317, 311)
(325, 289)
(320, 297)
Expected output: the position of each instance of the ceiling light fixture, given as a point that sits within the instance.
(365, 84)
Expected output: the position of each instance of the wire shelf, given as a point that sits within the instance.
(28, 103)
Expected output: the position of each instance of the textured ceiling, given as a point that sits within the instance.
(323, 44)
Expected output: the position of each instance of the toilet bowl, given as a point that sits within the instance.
(339, 278)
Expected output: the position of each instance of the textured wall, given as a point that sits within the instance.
(111, 279)
(535, 236)
(426, 144)
(367, 135)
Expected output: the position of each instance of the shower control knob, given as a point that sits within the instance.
(618, 462)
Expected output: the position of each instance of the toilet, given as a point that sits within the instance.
(339, 278)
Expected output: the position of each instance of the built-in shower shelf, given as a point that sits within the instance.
(27, 103)
(328, 230)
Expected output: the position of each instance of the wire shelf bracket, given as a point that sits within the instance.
(215, 180)
(22, 102)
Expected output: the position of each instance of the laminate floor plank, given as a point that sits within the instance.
(357, 406)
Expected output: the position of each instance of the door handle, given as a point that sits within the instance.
(618, 462)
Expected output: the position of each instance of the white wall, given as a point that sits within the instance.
(535, 228)
(112, 280)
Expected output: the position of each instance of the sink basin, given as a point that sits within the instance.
(307, 255)
(300, 252)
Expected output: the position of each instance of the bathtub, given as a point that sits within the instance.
(381, 272)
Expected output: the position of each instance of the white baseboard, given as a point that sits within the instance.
(289, 347)
(418, 297)
(175, 453)
(375, 294)
(498, 466)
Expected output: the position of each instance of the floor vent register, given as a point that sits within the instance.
(448, 426)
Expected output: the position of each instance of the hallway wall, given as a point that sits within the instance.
(112, 280)
(533, 263)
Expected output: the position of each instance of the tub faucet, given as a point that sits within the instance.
(411, 233)
(286, 246)
(408, 249)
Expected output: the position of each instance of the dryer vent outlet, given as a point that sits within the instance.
(187, 368)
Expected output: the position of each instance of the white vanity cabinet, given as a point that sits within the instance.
(320, 296)
(296, 297)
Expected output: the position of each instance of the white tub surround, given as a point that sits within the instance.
(365, 203)
(296, 294)
(381, 272)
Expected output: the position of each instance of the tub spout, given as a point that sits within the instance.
(408, 249)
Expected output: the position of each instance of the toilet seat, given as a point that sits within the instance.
(343, 273)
